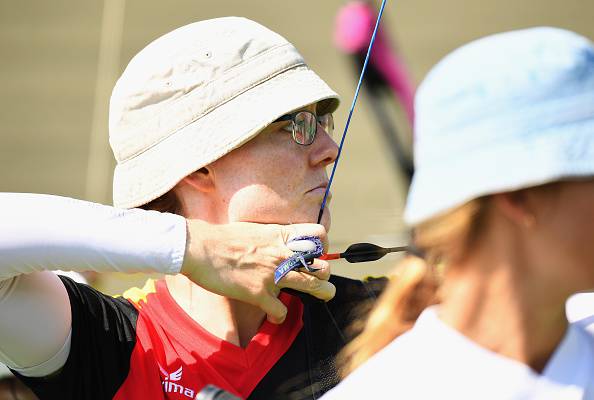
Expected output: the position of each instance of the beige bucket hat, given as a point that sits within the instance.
(195, 94)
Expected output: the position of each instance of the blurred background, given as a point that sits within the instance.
(59, 60)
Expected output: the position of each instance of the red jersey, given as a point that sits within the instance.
(174, 357)
(144, 346)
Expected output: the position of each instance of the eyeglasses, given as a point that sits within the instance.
(304, 125)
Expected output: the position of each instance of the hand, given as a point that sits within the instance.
(238, 260)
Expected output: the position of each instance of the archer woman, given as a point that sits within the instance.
(502, 203)
(220, 121)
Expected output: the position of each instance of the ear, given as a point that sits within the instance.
(516, 207)
(201, 180)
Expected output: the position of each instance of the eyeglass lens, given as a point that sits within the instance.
(327, 122)
(306, 125)
(305, 128)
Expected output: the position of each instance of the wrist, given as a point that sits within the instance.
(195, 257)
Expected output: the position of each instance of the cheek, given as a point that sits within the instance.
(254, 202)
(281, 171)
(266, 182)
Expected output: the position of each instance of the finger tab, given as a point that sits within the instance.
(302, 245)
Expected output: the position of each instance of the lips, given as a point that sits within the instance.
(321, 186)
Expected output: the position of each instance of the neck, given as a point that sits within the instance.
(503, 307)
(231, 320)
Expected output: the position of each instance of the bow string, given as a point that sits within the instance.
(355, 97)
(304, 259)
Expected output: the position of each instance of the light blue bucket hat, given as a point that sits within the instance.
(505, 112)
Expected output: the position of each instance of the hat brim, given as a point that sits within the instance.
(5, 372)
(154, 172)
(560, 152)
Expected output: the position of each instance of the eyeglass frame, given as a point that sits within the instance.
(291, 117)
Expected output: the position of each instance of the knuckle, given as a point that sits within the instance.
(260, 292)
(325, 276)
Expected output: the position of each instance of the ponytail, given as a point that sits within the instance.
(410, 291)
(415, 282)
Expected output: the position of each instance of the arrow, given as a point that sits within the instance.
(363, 252)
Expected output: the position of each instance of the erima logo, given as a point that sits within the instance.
(170, 385)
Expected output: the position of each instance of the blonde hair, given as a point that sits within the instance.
(444, 239)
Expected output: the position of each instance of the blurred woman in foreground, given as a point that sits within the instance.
(502, 202)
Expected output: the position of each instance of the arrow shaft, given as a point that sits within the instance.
(396, 249)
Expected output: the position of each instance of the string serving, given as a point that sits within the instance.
(346, 127)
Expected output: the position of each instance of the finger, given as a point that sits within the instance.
(309, 284)
(322, 269)
(275, 310)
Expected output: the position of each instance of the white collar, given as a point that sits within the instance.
(569, 371)
(434, 361)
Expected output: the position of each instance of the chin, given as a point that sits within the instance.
(286, 217)
(309, 217)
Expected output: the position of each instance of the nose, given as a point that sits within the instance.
(324, 149)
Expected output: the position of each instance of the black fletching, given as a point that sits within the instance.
(363, 252)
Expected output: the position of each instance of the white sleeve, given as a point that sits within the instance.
(43, 232)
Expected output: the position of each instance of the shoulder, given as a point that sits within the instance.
(88, 302)
(102, 339)
(403, 357)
